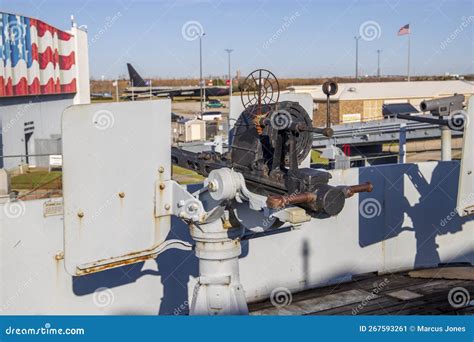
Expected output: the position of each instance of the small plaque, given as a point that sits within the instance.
(56, 160)
(52, 208)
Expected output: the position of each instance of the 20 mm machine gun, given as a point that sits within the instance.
(123, 215)
(270, 140)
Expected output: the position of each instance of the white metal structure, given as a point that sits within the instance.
(96, 137)
(383, 231)
(465, 199)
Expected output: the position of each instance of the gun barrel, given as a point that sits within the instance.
(443, 106)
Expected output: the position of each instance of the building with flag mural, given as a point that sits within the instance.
(43, 70)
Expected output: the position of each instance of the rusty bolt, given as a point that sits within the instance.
(161, 169)
(80, 214)
(162, 186)
(121, 194)
(59, 256)
(167, 206)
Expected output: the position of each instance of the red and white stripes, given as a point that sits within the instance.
(40, 59)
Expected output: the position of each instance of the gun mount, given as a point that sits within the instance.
(270, 141)
(446, 112)
(258, 185)
(443, 106)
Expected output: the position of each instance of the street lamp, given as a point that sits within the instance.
(229, 51)
(357, 57)
(378, 62)
(202, 85)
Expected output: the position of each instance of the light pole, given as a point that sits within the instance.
(203, 89)
(229, 51)
(357, 57)
(378, 62)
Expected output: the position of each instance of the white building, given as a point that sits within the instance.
(363, 101)
(33, 94)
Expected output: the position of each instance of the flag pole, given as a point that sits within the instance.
(408, 64)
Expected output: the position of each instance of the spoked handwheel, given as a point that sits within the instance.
(259, 90)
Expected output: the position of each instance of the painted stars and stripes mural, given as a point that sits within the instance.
(36, 58)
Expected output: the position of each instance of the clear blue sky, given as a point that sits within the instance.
(311, 38)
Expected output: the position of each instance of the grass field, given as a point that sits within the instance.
(52, 180)
(35, 179)
(185, 176)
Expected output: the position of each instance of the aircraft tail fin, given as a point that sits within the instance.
(135, 78)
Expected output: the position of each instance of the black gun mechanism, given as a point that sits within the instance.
(268, 143)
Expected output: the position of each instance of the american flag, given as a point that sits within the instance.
(404, 30)
(36, 58)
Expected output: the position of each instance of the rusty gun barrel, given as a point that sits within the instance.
(281, 201)
(354, 189)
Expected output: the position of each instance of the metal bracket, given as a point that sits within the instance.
(173, 199)
(131, 258)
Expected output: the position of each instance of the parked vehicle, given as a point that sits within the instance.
(214, 104)
(209, 116)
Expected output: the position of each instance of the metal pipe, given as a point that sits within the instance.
(281, 201)
(445, 143)
(203, 89)
(218, 290)
(357, 57)
(418, 118)
(378, 62)
(229, 51)
(355, 189)
(408, 62)
(328, 112)
(402, 143)
(30, 155)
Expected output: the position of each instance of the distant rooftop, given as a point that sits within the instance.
(391, 90)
